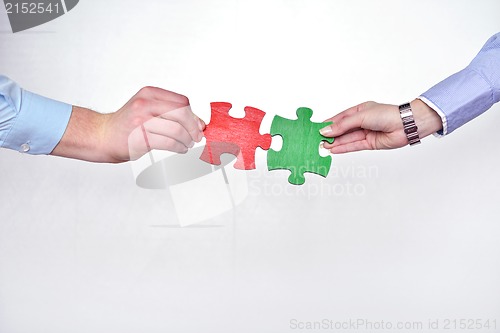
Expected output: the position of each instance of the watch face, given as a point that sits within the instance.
(404, 107)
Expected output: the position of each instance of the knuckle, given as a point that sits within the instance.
(338, 125)
(183, 99)
(367, 104)
(139, 103)
(174, 146)
(183, 112)
(145, 90)
(187, 115)
(178, 130)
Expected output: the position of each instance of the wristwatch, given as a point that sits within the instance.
(410, 128)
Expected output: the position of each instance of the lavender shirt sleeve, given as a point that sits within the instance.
(470, 92)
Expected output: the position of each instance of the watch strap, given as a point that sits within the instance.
(410, 128)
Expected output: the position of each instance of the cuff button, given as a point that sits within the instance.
(25, 148)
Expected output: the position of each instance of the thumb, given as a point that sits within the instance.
(344, 125)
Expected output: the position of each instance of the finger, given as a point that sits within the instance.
(163, 95)
(169, 128)
(351, 147)
(188, 120)
(159, 108)
(346, 138)
(344, 125)
(161, 142)
(182, 115)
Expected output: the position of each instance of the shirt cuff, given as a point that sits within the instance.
(459, 98)
(39, 126)
(444, 131)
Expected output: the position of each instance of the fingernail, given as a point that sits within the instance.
(326, 131)
(191, 145)
(322, 145)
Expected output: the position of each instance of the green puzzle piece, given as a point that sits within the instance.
(300, 151)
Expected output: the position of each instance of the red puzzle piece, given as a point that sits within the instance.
(236, 136)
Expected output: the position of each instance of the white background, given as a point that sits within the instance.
(83, 249)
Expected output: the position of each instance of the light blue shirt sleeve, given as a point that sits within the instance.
(30, 123)
(470, 92)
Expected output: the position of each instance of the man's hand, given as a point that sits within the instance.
(370, 126)
(153, 119)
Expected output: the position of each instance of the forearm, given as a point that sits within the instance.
(84, 137)
(152, 119)
(467, 94)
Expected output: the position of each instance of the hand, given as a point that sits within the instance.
(153, 119)
(371, 126)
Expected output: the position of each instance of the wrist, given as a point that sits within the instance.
(427, 120)
(84, 137)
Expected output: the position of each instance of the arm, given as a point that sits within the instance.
(372, 126)
(467, 94)
(153, 119)
(443, 108)
(30, 123)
